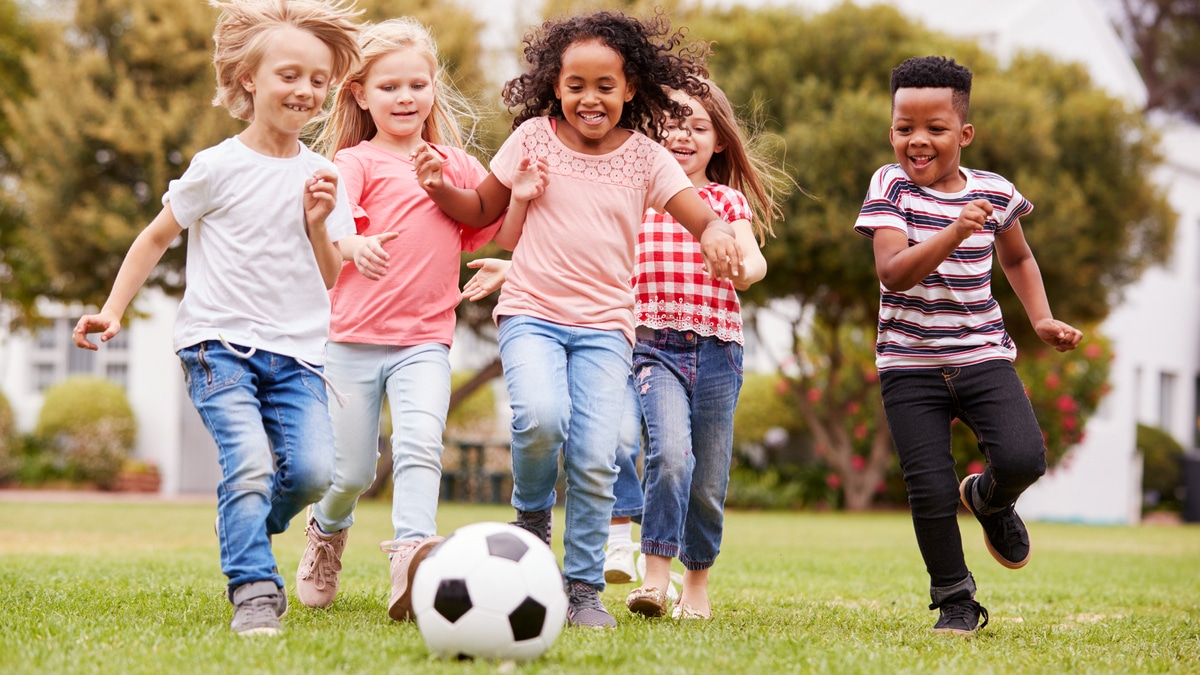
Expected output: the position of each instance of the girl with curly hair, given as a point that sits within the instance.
(587, 138)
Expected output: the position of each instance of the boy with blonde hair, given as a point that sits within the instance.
(264, 213)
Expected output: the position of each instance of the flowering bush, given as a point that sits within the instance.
(1065, 390)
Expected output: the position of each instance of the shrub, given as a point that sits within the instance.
(89, 424)
(8, 440)
(475, 417)
(1162, 468)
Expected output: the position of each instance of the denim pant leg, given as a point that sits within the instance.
(357, 371)
(714, 399)
(269, 418)
(994, 405)
(628, 488)
(919, 408)
(418, 386)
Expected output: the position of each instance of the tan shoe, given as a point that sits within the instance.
(317, 576)
(648, 601)
(406, 556)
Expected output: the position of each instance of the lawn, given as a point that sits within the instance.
(134, 587)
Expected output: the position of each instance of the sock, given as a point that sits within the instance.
(620, 535)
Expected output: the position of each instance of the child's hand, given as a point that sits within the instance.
(530, 180)
(1063, 337)
(427, 164)
(490, 276)
(320, 196)
(722, 255)
(370, 258)
(103, 323)
(973, 218)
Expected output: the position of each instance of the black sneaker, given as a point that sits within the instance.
(536, 523)
(1004, 533)
(960, 618)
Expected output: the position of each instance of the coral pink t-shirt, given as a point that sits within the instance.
(575, 257)
(414, 301)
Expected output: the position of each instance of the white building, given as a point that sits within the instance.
(1155, 332)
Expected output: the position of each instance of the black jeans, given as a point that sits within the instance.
(990, 399)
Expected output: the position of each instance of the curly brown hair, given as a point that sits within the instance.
(655, 60)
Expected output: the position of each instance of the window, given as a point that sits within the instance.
(119, 373)
(1166, 401)
(43, 376)
(55, 357)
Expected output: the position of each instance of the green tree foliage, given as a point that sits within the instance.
(821, 84)
(16, 42)
(1165, 37)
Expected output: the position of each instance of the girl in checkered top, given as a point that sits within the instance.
(687, 359)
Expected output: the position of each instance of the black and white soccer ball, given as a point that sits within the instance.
(491, 591)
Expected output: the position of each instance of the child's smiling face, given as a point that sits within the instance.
(291, 82)
(593, 90)
(928, 136)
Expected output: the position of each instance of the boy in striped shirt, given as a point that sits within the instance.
(942, 350)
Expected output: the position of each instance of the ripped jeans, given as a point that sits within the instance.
(269, 416)
(688, 386)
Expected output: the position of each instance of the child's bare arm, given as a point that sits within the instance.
(718, 241)
(529, 183)
(754, 265)
(474, 208)
(1021, 269)
(900, 266)
(367, 253)
(143, 255)
(491, 275)
(320, 196)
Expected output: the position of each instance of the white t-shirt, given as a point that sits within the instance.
(252, 277)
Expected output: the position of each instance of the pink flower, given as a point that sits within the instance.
(881, 487)
(1066, 404)
(1052, 381)
(860, 431)
(1093, 350)
(834, 481)
(781, 387)
(975, 467)
(814, 395)
(1070, 423)
(853, 407)
(858, 462)
(819, 449)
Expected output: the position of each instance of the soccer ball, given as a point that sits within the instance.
(490, 590)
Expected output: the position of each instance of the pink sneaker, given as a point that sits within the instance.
(317, 576)
(406, 556)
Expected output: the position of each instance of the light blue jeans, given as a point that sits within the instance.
(688, 386)
(417, 382)
(269, 416)
(628, 488)
(559, 378)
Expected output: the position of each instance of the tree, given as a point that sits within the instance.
(16, 41)
(92, 159)
(1165, 38)
(821, 85)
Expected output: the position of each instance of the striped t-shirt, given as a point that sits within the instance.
(950, 318)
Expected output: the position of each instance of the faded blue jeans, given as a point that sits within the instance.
(566, 377)
(990, 399)
(269, 416)
(417, 382)
(688, 386)
(628, 488)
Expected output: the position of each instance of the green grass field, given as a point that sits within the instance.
(129, 587)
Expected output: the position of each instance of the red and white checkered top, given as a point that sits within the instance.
(671, 288)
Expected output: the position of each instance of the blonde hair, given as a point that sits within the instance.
(243, 34)
(742, 166)
(347, 124)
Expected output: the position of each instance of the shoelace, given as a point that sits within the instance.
(584, 596)
(1009, 532)
(400, 548)
(258, 611)
(969, 612)
(324, 564)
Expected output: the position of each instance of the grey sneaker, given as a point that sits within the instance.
(320, 566)
(257, 607)
(960, 618)
(584, 607)
(406, 556)
(1004, 532)
(536, 523)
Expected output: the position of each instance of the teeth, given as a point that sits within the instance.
(298, 108)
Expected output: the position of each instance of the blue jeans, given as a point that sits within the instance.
(559, 378)
(417, 382)
(628, 488)
(990, 399)
(688, 386)
(269, 416)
